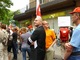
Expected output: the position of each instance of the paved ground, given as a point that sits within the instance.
(58, 53)
(19, 56)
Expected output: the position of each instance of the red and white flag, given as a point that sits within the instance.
(38, 10)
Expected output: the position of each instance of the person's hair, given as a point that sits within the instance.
(14, 29)
(23, 29)
(3, 26)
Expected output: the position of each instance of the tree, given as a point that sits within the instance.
(4, 11)
(17, 12)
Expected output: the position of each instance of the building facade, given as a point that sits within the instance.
(50, 10)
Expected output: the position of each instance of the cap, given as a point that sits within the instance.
(76, 10)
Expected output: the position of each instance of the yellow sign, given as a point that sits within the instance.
(55, 15)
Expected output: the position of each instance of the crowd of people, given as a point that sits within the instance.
(39, 43)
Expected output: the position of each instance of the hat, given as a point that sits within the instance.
(76, 10)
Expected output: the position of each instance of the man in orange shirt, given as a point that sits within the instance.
(50, 41)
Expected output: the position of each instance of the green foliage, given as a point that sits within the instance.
(17, 23)
(5, 14)
(5, 3)
(17, 12)
(4, 11)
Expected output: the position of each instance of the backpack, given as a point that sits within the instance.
(64, 34)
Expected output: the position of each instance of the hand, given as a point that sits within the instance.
(32, 43)
(67, 45)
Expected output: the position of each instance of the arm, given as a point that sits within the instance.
(33, 37)
(68, 51)
(54, 42)
(53, 38)
(30, 42)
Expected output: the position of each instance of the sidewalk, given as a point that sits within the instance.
(59, 53)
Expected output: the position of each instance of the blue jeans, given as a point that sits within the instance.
(24, 52)
(74, 57)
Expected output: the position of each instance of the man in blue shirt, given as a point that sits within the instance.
(73, 47)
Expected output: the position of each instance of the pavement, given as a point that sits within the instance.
(59, 53)
(19, 56)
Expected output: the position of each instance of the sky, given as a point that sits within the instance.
(19, 4)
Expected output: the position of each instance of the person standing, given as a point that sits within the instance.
(9, 43)
(3, 42)
(50, 41)
(73, 47)
(24, 46)
(38, 36)
(71, 32)
(14, 43)
(30, 29)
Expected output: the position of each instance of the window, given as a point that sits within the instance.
(41, 1)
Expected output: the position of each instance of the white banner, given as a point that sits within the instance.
(64, 21)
